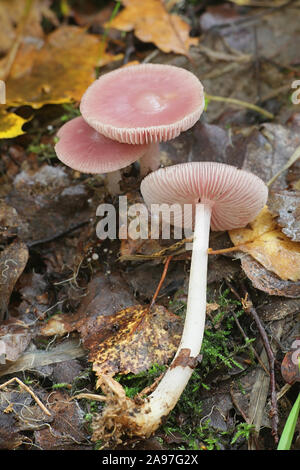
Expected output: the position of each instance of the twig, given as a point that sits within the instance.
(274, 410)
(236, 405)
(89, 396)
(27, 389)
(243, 104)
(243, 333)
(146, 311)
(291, 161)
(163, 276)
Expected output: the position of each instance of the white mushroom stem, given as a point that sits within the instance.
(113, 182)
(170, 388)
(150, 161)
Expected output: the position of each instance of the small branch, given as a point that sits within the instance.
(291, 161)
(163, 276)
(274, 410)
(89, 396)
(243, 104)
(27, 389)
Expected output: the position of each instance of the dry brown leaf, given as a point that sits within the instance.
(266, 243)
(133, 339)
(11, 13)
(152, 23)
(285, 206)
(13, 260)
(58, 72)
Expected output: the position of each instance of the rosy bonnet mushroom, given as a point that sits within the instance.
(218, 197)
(146, 103)
(84, 149)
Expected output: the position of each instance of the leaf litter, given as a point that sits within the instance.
(62, 306)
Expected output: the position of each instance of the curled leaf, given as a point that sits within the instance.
(266, 243)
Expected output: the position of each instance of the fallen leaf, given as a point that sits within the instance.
(47, 203)
(13, 260)
(66, 431)
(285, 206)
(10, 125)
(152, 23)
(11, 13)
(277, 308)
(133, 339)
(58, 72)
(265, 242)
(267, 281)
(9, 221)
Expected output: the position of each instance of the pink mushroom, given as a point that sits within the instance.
(145, 103)
(222, 197)
(84, 149)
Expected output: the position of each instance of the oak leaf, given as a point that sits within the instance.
(151, 22)
(58, 72)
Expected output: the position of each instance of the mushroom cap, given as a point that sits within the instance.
(235, 196)
(84, 149)
(143, 103)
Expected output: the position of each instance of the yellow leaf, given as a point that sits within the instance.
(266, 243)
(151, 22)
(59, 72)
(10, 125)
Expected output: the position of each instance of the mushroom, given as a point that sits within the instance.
(220, 197)
(82, 148)
(145, 103)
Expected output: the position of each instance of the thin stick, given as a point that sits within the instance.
(163, 276)
(89, 396)
(274, 410)
(291, 161)
(243, 333)
(27, 389)
(243, 104)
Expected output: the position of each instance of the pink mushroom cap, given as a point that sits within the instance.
(143, 103)
(235, 196)
(84, 149)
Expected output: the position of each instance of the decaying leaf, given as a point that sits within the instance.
(285, 206)
(267, 281)
(152, 23)
(13, 260)
(269, 246)
(133, 339)
(66, 431)
(10, 125)
(58, 72)
(9, 221)
(47, 203)
(11, 13)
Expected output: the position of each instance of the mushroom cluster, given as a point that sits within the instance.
(124, 116)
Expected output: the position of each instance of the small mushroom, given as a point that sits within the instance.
(84, 149)
(221, 197)
(146, 103)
